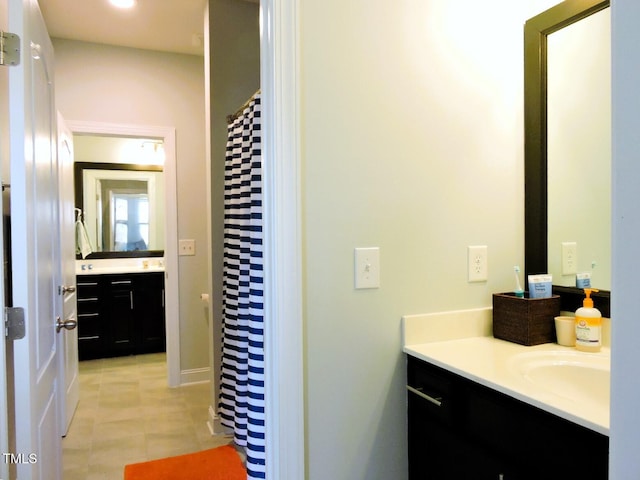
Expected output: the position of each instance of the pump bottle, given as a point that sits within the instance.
(588, 325)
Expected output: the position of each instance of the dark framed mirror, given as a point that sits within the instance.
(537, 34)
(121, 207)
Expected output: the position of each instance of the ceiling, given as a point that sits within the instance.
(165, 25)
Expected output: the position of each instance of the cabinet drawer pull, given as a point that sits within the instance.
(87, 284)
(88, 299)
(121, 282)
(95, 337)
(83, 315)
(437, 401)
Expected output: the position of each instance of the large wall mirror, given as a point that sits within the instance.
(568, 147)
(119, 195)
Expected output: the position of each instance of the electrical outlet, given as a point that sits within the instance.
(186, 247)
(478, 263)
(569, 258)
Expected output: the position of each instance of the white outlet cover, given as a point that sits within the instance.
(569, 258)
(478, 263)
(186, 247)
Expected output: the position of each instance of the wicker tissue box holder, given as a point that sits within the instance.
(527, 321)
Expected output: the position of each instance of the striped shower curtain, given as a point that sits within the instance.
(241, 403)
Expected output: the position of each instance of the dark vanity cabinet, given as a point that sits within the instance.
(460, 429)
(120, 314)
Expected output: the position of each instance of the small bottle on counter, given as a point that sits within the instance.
(588, 325)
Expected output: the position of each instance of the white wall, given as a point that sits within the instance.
(412, 138)
(100, 83)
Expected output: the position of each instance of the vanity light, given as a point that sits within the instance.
(123, 3)
(152, 153)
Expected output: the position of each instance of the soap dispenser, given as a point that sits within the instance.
(588, 325)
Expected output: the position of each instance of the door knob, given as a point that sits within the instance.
(63, 289)
(68, 324)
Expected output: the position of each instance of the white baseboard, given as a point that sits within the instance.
(215, 424)
(195, 375)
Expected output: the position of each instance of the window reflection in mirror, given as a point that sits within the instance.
(129, 221)
(121, 210)
(120, 190)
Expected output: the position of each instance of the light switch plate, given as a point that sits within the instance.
(367, 267)
(186, 247)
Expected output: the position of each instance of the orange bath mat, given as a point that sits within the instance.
(222, 463)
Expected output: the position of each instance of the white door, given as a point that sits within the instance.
(35, 246)
(68, 338)
(4, 160)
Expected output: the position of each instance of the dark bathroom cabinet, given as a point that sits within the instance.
(459, 429)
(120, 314)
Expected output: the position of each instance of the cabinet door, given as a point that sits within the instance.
(120, 321)
(544, 445)
(432, 446)
(438, 449)
(149, 312)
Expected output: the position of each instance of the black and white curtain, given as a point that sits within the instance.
(241, 406)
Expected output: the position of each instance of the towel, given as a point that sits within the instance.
(83, 246)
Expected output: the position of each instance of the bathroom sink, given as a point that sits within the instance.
(577, 376)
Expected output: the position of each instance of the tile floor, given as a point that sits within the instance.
(127, 414)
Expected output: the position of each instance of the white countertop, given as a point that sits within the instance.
(489, 362)
(119, 269)
(104, 266)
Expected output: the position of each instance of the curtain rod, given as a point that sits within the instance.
(231, 118)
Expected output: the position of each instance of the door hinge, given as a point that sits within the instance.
(9, 49)
(14, 323)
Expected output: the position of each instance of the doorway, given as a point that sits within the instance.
(170, 242)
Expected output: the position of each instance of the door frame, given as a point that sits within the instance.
(172, 281)
(283, 237)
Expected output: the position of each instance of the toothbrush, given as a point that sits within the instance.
(518, 291)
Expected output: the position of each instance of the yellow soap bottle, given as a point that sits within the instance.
(588, 325)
